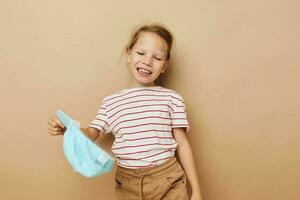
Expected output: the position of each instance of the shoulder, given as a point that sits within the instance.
(113, 96)
(175, 96)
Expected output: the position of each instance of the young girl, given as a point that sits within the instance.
(149, 125)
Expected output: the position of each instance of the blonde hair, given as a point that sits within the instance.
(156, 28)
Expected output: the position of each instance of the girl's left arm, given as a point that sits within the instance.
(186, 158)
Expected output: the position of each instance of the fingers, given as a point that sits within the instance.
(55, 127)
(55, 130)
(57, 122)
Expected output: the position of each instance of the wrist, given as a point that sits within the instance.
(196, 190)
(196, 195)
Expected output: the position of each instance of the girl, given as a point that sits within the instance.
(149, 125)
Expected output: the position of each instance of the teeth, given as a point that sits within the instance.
(144, 71)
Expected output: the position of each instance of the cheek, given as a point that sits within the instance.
(134, 61)
(161, 65)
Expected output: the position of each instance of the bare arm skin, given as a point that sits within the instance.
(186, 158)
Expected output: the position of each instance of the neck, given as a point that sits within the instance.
(135, 84)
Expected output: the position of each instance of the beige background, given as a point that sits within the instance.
(236, 63)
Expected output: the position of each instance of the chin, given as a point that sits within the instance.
(144, 80)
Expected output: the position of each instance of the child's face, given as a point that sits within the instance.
(147, 59)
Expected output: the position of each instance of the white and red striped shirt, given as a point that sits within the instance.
(141, 120)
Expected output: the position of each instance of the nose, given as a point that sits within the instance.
(147, 61)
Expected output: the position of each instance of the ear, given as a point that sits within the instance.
(165, 66)
(128, 55)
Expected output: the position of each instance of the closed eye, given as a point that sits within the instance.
(140, 53)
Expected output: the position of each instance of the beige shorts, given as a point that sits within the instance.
(166, 181)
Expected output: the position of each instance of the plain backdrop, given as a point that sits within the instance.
(236, 63)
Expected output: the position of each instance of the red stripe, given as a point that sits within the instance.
(136, 152)
(141, 95)
(141, 125)
(139, 112)
(144, 138)
(165, 91)
(135, 166)
(179, 112)
(179, 125)
(143, 100)
(177, 105)
(142, 145)
(126, 93)
(162, 159)
(145, 156)
(98, 113)
(139, 107)
(101, 120)
(157, 154)
(168, 131)
(98, 126)
(134, 119)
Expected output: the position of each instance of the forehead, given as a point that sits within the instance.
(151, 41)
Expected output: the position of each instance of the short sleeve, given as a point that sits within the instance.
(100, 122)
(179, 113)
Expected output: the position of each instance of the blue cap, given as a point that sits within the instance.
(85, 156)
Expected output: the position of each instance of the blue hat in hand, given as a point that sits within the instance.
(85, 156)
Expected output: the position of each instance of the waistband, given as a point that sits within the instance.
(149, 170)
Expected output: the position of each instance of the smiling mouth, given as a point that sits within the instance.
(144, 71)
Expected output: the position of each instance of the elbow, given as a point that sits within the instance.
(93, 133)
(183, 143)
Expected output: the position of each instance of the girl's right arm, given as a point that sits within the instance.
(91, 133)
(55, 127)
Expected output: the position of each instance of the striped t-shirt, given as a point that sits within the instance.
(141, 120)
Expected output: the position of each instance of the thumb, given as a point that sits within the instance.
(59, 123)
